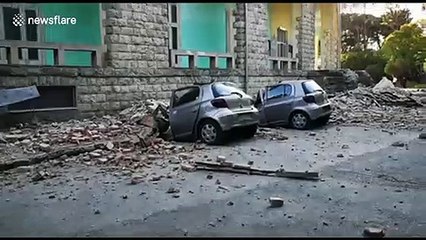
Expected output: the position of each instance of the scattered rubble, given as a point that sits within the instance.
(276, 202)
(386, 107)
(398, 144)
(132, 139)
(374, 232)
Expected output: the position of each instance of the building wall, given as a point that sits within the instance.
(329, 35)
(136, 35)
(306, 37)
(87, 30)
(102, 91)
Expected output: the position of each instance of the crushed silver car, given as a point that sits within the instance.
(297, 103)
(209, 111)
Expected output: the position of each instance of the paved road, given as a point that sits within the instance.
(373, 184)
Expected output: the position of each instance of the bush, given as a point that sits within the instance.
(376, 71)
(371, 61)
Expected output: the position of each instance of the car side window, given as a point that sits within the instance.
(287, 90)
(185, 96)
(275, 92)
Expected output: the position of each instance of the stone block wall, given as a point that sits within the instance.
(102, 91)
(306, 37)
(136, 35)
(137, 61)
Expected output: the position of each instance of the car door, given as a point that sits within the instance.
(185, 104)
(278, 103)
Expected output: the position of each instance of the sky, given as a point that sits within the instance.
(377, 9)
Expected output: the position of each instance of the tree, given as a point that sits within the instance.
(406, 51)
(359, 30)
(393, 19)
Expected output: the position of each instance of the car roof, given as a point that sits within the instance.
(295, 81)
(207, 84)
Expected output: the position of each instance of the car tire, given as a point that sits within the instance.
(300, 120)
(207, 128)
(249, 131)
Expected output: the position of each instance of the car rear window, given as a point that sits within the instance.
(311, 87)
(225, 89)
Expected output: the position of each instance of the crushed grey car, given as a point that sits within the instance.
(297, 103)
(209, 111)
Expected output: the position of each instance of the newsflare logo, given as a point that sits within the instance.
(18, 20)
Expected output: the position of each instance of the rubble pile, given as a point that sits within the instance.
(131, 138)
(386, 107)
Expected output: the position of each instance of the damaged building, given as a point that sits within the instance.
(118, 53)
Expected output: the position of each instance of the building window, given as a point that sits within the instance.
(51, 97)
(174, 26)
(26, 32)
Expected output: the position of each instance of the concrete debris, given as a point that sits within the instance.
(173, 190)
(221, 159)
(40, 175)
(383, 84)
(398, 144)
(374, 232)
(388, 108)
(276, 202)
(188, 168)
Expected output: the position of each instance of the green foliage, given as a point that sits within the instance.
(393, 19)
(406, 50)
(376, 71)
(360, 30)
(371, 61)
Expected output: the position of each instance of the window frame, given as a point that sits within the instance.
(40, 34)
(284, 86)
(174, 105)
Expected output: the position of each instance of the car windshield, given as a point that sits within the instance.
(311, 87)
(225, 89)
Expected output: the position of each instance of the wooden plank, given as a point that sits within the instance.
(223, 169)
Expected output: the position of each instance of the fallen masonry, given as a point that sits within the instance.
(387, 108)
(120, 140)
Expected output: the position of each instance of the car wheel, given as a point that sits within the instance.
(249, 132)
(210, 132)
(300, 120)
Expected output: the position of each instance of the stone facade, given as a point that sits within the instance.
(136, 35)
(306, 37)
(101, 91)
(137, 60)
